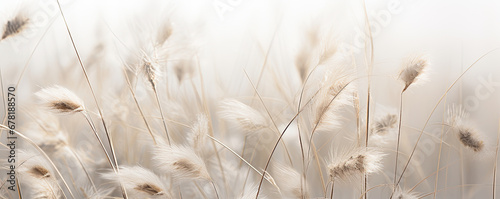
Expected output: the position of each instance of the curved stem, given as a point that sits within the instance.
(434, 109)
(161, 113)
(44, 154)
(333, 187)
(124, 192)
(399, 136)
(215, 189)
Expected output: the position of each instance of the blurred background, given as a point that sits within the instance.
(223, 39)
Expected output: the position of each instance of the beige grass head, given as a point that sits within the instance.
(413, 69)
(60, 100)
(15, 26)
(353, 163)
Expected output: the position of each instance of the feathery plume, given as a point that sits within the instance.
(150, 189)
(15, 26)
(164, 32)
(334, 93)
(384, 124)
(199, 133)
(182, 68)
(290, 181)
(39, 171)
(33, 166)
(400, 194)
(54, 144)
(181, 162)
(457, 116)
(468, 136)
(35, 172)
(384, 130)
(46, 132)
(305, 58)
(247, 117)
(151, 69)
(60, 100)
(139, 182)
(250, 192)
(354, 163)
(413, 69)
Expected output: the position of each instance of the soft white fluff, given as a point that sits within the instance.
(413, 70)
(198, 135)
(401, 194)
(181, 162)
(139, 182)
(335, 92)
(60, 100)
(245, 116)
(467, 135)
(350, 164)
(291, 182)
(37, 174)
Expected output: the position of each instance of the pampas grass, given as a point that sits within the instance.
(172, 101)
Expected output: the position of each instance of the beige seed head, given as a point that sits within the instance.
(15, 26)
(38, 171)
(355, 162)
(413, 69)
(60, 100)
(467, 135)
(470, 139)
(164, 32)
(245, 116)
(402, 194)
(385, 123)
(151, 70)
(181, 162)
(150, 189)
(139, 182)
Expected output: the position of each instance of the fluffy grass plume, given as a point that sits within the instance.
(466, 134)
(140, 182)
(383, 125)
(15, 26)
(290, 181)
(60, 100)
(413, 70)
(181, 162)
(354, 163)
(401, 194)
(245, 116)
